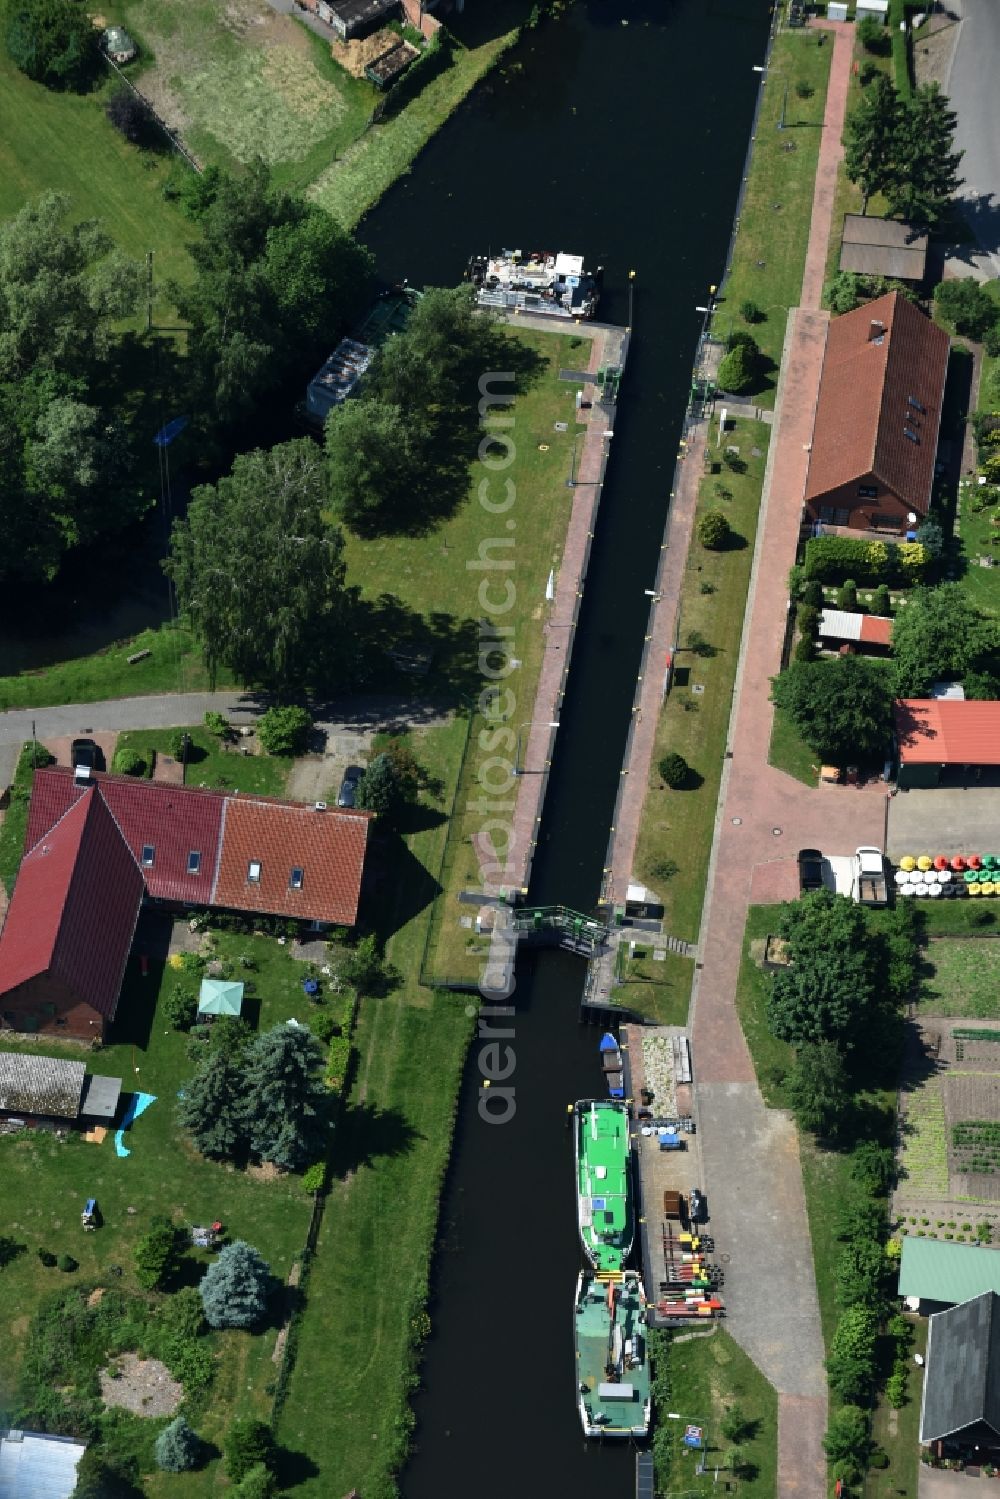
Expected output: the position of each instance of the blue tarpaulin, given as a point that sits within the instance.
(173, 429)
(137, 1104)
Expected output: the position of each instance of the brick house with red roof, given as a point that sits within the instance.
(70, 925)
(875, 436)
(119, 840)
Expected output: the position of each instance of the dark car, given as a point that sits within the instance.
(810, 869)
(348, 792)
(84, 752)
(696, 1206)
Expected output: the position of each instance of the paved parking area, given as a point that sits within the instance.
(61, 745)
(951, 820)
(937, 1483)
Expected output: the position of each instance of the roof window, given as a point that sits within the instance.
(194, 861)
(148, 855)
(909, 432)
(912, 401)
(295, 878)
(253, 872)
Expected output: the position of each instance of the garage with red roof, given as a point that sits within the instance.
(935, 735)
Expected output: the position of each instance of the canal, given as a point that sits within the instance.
(618, 132)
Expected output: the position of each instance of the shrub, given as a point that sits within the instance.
(156, 1255)
(178, 744)
(324, 1025)
(804, 89)
(285, 731)
(713, 530)
(807, 618)
(664, 869)
(843, 293)
(912, 559)
(812, 594)
(832, 559)
(180, 1008)
(314, 1177)
(895, 1390)
(874, 36)
(847, 596)
(699, 646)
(674, 770)
(249, 1442)
(846, 1439)
(931, 538)
(67, 1263)
(991, 468)
(739, 338)
(177, 1447)
(805, 649)
(881, 602)
(739, 370)
(47, 1258)
(750, 312)
(34, 756)
(966, 306)
(217, 723)
(128, 762)
(234, 1290)
(734, 463)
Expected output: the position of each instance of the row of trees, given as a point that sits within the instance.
(904, 149)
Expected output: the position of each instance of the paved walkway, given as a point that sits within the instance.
(831, 154)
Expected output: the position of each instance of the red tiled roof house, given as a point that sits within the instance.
(878, 413)
(98, 845)
(70, 925)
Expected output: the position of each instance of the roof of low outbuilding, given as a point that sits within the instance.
(935, 1271)
(844, 624)
(962, 1380)
(30, 1084)
(883, 247)
(948, 731)
(33, 1466)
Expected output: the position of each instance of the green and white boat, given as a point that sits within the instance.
(605, 1199)
(612, 1367)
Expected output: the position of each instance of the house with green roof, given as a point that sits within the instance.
(932, 1270)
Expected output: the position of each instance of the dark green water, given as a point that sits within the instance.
(624, 143)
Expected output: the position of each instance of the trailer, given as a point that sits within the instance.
(861, 876)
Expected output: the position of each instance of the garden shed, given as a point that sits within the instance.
(883, 247)
(118, 44)
(945, 741)
(33, 1466)
(48, 1090)
(220, 997)
(961, 1395)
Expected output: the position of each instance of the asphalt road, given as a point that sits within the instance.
(972, 86)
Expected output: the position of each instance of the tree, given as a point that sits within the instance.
(844, 292)
(847, 595)
(10, 1249)
(714, 530)
(130, 114)
(248, 1445)
(851, 1363)
(674, 771)
(177, 1448)
(819, 1090)
(925, 177)
(846, 1442)
(212, 1108)
(380, 790)
(285, 731)
(736, 1425)
(217, 723)
(739, 369)
(881, 600)
(931, 537)
(750, 312)
(938, 637)
(235, 1289)
(157, 1259)
(873, 1167)
(257, 1483)
(861, 1275)
(275, 281)
(842, 708)
(53, 41)
(870, 139)
(365, 967)
(128, 762)
(67, 1264)
(62, 288)
(829, 985)
(261, 575)
(380, 466)
(287, 1105)
(966, 307)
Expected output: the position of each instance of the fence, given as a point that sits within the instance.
(171, 135)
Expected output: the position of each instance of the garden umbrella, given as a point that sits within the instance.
(220, 997)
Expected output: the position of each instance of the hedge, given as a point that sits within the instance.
(834, 559)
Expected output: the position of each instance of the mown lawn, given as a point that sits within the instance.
(209, 764)
(355, 180)
(961, 978)
(770, 250)
(174, 664)
(63, 141)
(677, 826)
(709, 1376)
(347, 1400)
(789, 752)
(772, 1059)
(47, 1180)
(898, 1432)
(14, 825)
(659, 991)
(431, 576)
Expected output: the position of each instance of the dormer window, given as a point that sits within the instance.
(295, 878)
(148, 855)
(194, 862)
(253, 872)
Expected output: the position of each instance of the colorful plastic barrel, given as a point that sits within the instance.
(971, 877)
(908, 862)
(924, 862)
(975, 888)
(974, 861)
(941, 862)
(958, 863)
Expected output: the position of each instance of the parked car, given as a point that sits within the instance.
(810, 869)
(347, 795)
(86, 753)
